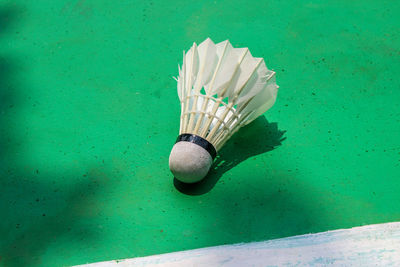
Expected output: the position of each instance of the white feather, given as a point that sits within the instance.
(207, 60)
(228, 61)
(238, 88)
(192, 67)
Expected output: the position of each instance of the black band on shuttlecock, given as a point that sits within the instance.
(195, 139)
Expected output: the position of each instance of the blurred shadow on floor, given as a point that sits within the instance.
(38, 214)
(37, 208)
(258, 137)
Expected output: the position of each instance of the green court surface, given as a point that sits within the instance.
(89, 113)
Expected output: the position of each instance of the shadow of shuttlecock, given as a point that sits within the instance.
(256, 138)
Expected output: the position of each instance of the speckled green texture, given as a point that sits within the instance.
(89, 114)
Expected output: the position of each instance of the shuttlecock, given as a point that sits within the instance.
(221, 89)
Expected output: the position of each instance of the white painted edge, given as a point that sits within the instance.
(371, 245)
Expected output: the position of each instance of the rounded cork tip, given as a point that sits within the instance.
(188, 162)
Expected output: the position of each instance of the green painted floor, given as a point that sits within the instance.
(89, 113)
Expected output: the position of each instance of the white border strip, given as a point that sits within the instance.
(372, 245)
